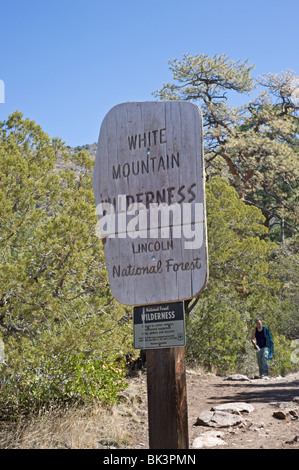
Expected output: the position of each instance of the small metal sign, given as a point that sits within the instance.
(159, 326)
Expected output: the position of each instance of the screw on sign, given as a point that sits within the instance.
(149, 191)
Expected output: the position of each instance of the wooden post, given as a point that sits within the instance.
(167, 398)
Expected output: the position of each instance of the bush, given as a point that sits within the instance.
(281, 363)
(215, 334)
(61, 379)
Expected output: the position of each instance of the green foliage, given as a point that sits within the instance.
(55, 299)
(215, 332)
(255, 149)
(243, 284)
(238, 268)
(63, 332)
(282, 363)
(255, 146)
(237, 254)
(65, 379)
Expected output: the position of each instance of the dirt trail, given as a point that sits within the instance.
(261, 430)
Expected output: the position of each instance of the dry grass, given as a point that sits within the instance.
(75, 427)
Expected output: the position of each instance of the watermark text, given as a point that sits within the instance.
(162, 220)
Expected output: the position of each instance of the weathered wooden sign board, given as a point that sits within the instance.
(159, 326)
(150, 154)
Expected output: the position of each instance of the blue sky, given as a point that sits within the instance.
(66, 63)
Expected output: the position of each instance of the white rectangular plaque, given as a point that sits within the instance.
(159, 326)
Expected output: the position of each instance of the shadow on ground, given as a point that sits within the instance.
(258, 391)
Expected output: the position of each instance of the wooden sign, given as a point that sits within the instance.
(149, 190)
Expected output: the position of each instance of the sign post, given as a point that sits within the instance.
(149, 191)
(167, 398)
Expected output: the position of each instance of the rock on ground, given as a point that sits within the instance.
(208, 439)
(237, 377)
(218, 419)
(235, 407)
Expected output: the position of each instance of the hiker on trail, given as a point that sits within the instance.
(263, 344)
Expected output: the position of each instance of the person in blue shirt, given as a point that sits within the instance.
(263, 343)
